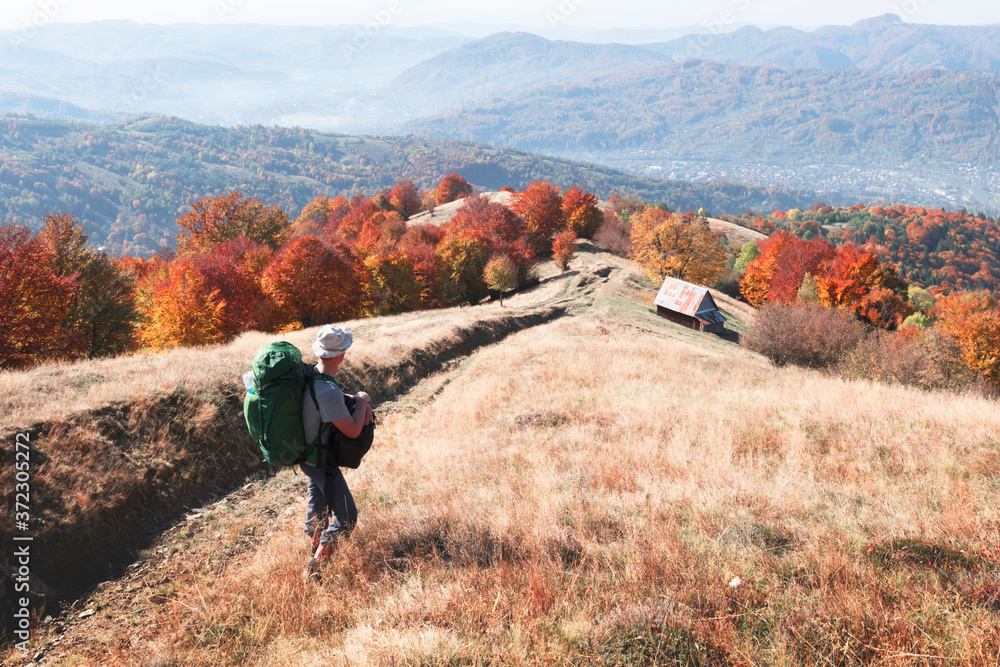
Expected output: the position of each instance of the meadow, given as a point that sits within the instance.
(597, 486)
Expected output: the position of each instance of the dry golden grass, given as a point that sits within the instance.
(60, 389)
(586, 491)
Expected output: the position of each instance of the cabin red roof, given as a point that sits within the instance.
(691, 300)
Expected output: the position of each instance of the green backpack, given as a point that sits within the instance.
(273, 405)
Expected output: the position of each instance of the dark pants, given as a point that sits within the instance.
(331, 507)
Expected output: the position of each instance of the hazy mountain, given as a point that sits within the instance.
(504, 64)
(48, 107)
(319, 76)
(882, 44)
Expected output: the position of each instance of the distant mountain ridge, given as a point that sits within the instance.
(495, 66)
(881, 44)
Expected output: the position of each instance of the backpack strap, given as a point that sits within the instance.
(311, 378)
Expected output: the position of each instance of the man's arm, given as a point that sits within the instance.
(351, 426)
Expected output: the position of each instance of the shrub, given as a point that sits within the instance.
(925, 359)
(614, 235)
(803, 334)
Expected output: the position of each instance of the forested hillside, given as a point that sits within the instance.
(129, 183)
(703, 110)
(932, 248)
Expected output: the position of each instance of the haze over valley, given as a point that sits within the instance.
(881, 110)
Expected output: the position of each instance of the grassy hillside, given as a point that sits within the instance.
(129, 183)
(601, 487)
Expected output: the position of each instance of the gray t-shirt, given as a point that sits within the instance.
(331, 407)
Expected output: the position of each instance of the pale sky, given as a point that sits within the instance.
(547, 14)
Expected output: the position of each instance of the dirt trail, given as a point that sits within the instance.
(207, 526)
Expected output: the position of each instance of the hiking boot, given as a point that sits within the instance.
(323, 552)
(311, 571)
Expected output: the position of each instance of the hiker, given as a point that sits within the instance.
(331, 512)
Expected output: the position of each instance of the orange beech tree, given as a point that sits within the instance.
(313, 282)
(856, 280)
(540, 206)
(581, 213)
(451, 188)
(181, 310)
(972, 320)
(564, 247)
(34, 300)
(350, 227)
(213, 220)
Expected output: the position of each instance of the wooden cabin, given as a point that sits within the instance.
(689, 305)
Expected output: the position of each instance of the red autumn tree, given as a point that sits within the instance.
(405, 199)
(540, 206)
(777, 273)
(581, 213)
(34, 300)
(237, 291)
(313, 283)
(420, 243)
(501, 227)
(452, 188)
(213, 220)
(361, 211)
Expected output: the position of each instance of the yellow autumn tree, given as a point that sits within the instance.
(678, 246)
